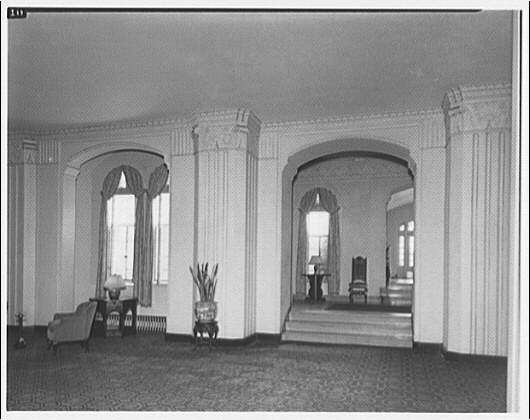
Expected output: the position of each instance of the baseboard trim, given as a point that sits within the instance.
(34, 329)
(431, 348)
(269, 339)
(179, 338)
(258, 338)
(464, 357)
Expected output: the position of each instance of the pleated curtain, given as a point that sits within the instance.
(306, 204)
(136, 187)
(157, 182)
(328, 201)
(143, 228)
(110, 185)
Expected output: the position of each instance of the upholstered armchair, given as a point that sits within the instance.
(72, 326)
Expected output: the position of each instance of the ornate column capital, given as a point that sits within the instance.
(22, 150)
(477, 109)
(231, 129)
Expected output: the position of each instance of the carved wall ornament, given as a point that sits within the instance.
(477, 108)
(494, 114)
(22, 151)
(215, 131)
(14, 153)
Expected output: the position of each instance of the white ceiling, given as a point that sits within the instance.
(84, 68)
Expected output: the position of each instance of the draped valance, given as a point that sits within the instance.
(328, 202)
(143, 227)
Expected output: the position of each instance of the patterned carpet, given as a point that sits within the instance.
(147, 373)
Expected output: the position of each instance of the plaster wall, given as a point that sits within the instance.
(47, 232)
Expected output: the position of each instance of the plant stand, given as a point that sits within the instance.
(211, 328)
(21, 343)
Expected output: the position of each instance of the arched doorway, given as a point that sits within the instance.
(324, 151)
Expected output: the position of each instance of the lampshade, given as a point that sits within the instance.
(115, 281)
(316, 259)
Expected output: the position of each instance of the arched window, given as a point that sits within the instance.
(121, 221)
(120, 217)
(406, 247)
(317, 221)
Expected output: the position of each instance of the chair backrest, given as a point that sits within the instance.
(87, 310)
(358, 270)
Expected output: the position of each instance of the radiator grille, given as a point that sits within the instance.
(144, 323)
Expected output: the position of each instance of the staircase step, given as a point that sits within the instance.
(353, 339)
(402, 281)
(371, 317)
(400, 287)
(350, 328)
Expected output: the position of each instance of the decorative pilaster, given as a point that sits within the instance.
(227, 147)
(478, 130)
(65, 285)
(22, 156)
(182, 227)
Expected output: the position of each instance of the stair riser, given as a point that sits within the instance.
(351, 317)
(408, 282)
(367, 340)
(332, 328)
(400, 288)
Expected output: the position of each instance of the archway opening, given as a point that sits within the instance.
(362, 174)
(81, 197)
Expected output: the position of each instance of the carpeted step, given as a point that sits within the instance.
(402, 281)
(353, 339)
(372, 328)
(350, 316)
(350, 328)
(399, 288)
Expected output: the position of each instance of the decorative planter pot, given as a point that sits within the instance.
(205, 311)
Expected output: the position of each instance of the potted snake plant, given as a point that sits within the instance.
(205, 308)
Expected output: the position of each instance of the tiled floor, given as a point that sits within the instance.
(147, 373)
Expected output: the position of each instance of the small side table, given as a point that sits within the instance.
(211, 328)
(122, 307)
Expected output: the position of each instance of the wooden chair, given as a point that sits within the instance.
(358, 284)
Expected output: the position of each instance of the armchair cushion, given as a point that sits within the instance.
(73, 326)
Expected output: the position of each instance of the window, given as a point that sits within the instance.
(406, 245)
(161, 237)
(121, 208)
(401, 244)
(120, 217)
(317, 234)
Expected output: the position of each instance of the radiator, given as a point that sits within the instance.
(144, 323)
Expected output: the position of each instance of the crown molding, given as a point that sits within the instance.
(95, 128)
(333, 120)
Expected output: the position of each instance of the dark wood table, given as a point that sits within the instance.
(211, 328)
(315, 287)
(122, 307)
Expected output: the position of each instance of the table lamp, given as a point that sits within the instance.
(315, 261)
(114, 285)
